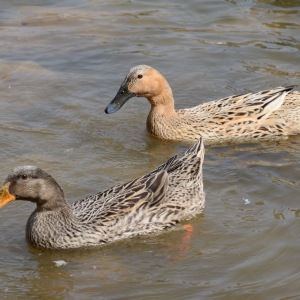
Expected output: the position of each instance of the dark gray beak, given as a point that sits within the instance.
(120, 99)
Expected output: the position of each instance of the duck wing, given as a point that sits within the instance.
(251, 106)
(112, 204)
(145, 193)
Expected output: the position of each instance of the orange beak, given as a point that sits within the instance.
(5, 196)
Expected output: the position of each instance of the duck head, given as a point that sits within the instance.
(32, 184)
(141, 81)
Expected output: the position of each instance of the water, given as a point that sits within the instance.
(61, 62)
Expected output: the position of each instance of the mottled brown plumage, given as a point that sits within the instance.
(154, 202)
(266, 115)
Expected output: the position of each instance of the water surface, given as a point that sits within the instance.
(61, 62)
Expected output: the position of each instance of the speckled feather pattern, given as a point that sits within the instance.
(266, 115)
(242, 118)
(154, 202)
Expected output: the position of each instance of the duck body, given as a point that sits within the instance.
(152, 203)
(266, 115)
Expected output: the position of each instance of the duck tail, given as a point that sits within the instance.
(271, 100)
(189, 163)
(289, 87)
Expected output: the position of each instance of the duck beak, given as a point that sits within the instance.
(5, 195)
(120, 99)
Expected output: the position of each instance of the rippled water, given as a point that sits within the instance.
(61, 62)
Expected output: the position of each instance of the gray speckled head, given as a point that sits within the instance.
(33, 184)
(26, 169)
(21, 170)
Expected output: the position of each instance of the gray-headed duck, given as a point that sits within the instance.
(154, 202)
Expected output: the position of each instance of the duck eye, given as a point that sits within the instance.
(24, 176)
(140, 76)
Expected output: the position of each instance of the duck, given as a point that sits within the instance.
(266, 115)
(150, 204)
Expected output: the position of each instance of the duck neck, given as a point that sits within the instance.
(59, 204)
(47, 227)
(163, 103)
(162, 115)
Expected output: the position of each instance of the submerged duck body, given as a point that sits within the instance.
(154, 202)
(266, 115)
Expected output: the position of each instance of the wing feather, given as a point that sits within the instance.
(120, 200)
